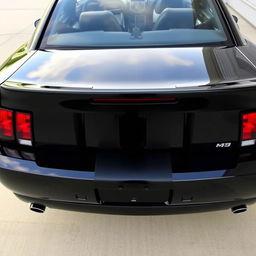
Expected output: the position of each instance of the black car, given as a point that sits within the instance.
(131, 107)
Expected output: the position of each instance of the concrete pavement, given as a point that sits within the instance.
(67, 233)
(16, 23)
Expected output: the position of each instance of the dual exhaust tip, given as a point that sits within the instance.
(239, 209)
(40, 208)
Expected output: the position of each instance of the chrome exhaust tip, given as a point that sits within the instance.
(35, 207)
(239, 209)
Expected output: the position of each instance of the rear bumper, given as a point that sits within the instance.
(138, 210)
(82, 191)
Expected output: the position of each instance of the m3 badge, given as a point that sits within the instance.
(224, 145)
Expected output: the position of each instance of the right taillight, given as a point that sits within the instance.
(248, 129)
(6, 124)
(23, 128)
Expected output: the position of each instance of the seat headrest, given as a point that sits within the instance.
(99, 20)
(176, 18)
(112, 4)
(163, 4)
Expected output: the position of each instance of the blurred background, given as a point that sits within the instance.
(67, 233)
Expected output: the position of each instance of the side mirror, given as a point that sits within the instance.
(36, 22)
(235, 18)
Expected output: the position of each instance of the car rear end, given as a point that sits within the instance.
(157, 152)
(141, 120)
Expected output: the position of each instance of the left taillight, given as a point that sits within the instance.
(23, 128)
(6, 125)
(15, 126)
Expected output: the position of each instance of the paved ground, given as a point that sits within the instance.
(65, 233)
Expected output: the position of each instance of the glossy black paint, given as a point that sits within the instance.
(138, 69)
(66, 189)
(132, 158)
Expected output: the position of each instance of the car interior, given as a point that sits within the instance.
(136, 15)
(131, 21)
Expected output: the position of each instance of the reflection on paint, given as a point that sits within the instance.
(112, 69)
(31, 167)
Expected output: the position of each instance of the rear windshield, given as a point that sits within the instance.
(133, 23)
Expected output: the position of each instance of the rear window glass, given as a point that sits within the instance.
(133, 23)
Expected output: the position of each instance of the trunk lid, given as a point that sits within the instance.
(133, 69)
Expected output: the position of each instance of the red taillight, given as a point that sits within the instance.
(249, 129)
(23, 128)
(6, 124)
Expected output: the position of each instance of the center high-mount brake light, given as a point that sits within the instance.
(248, 129)
(134, 100)
(23, 128)
(6, 124)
